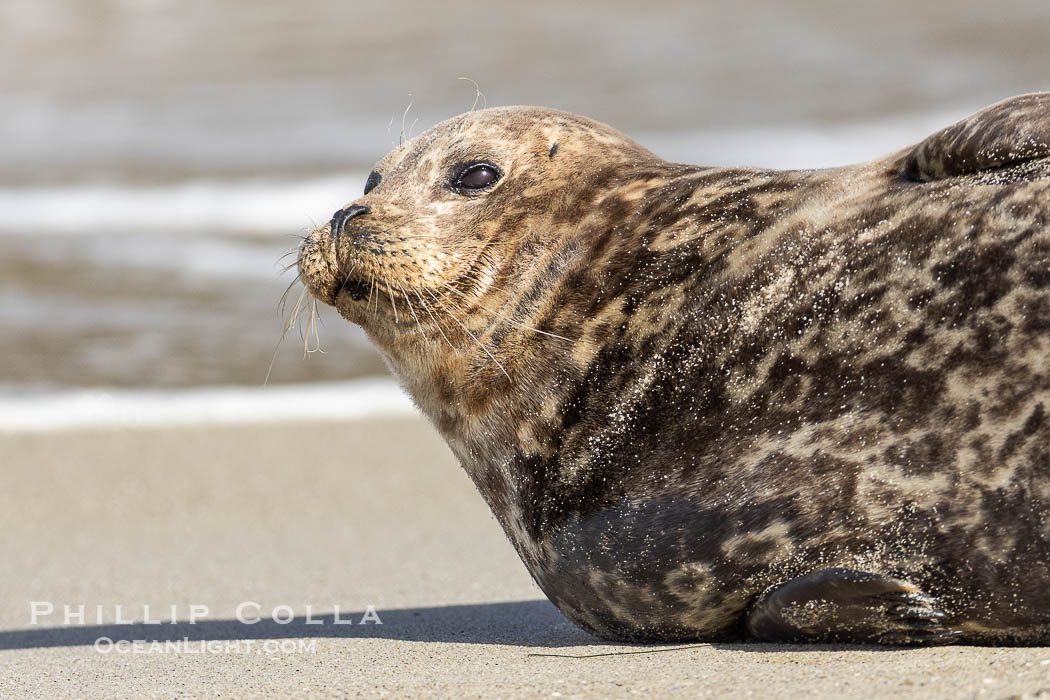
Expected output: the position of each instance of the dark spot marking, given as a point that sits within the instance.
(373, 181)
(1035, 420)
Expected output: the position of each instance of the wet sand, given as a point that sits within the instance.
(367, 513)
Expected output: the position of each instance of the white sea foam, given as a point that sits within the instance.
(95, 409)
(204, 206)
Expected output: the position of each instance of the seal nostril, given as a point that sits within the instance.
(340, 218)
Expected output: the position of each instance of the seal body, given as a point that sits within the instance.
(726, 403)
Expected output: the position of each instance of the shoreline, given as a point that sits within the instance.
(111, 408)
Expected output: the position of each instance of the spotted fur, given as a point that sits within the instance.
(679, 386)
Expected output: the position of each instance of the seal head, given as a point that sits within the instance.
(467, 246)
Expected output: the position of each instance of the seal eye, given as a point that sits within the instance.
(477, 176)
(373, 181)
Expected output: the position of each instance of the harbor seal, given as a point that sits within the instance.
(712, 403)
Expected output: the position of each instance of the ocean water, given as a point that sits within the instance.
(160, 157)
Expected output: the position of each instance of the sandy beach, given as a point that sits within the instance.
(247, 521)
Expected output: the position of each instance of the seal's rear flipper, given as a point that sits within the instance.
(1006, 134)
(843, 605)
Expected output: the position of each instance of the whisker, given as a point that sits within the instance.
(371, 289)
(311, 331)
(506, 318)
(284, 297)
(478, 94)
(288, 324)
(436, 323)
(404, 117)
(392, 304)
(467, 331)
(352, 268)
(420, 325)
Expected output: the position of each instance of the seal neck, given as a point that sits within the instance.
(535, 358)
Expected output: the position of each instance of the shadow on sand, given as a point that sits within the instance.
(533, 623)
